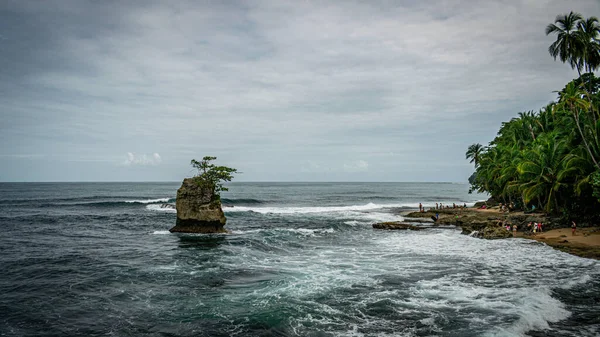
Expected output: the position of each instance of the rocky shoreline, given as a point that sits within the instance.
(488, 224)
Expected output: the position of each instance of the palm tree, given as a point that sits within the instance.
(568, 46)
(548, 168)
(528, 120)
(587, 32)
(474, 152)
(571, 99)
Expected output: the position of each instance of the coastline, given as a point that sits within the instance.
(585, 243)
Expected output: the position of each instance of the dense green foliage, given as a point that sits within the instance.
(550, 158)
(212, 176)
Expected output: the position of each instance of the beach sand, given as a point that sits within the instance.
(586, 242)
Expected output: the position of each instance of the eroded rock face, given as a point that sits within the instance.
(196, 211)
(396, 226)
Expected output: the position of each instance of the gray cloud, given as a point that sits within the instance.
(269, 86)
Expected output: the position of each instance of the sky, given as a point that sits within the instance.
(281, 90)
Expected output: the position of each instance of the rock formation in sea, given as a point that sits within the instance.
(396, 226)
(198, 210)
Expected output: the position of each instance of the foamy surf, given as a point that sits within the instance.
(160, 232)
(167, 208)
(148, 201)
(366, 214)
(307, 210)
(305, 273)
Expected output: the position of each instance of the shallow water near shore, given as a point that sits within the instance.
(301, 259)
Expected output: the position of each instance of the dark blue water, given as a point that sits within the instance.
(301, 260)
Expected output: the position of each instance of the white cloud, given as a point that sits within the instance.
(142, 160)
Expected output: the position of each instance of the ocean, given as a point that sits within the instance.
(301, 259)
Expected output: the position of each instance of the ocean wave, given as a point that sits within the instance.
(305, 210)
(167, 208)
(331, 209)
(309, 231)
(301, 231)
(241, 201)
(536, 309)
(150, 201)
(161, 232)
(365, 214)
(82, 199)
(111, 203)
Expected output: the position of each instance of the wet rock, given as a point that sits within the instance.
(427, 221)
(495, 232)
(198, 209)
(396, 226)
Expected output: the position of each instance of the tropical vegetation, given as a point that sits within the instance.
(211, 176)
(550, 158)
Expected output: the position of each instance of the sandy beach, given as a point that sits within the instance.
(585, 242)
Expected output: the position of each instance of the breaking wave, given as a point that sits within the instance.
(168, 208)
(111, 203)
(304, 210)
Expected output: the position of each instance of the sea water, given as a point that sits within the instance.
(301, 259)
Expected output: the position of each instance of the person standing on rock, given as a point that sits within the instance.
(420, 207)
(573, 227)
(514, 230)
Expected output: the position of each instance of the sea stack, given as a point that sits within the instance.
(198, 209)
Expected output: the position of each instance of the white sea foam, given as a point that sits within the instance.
(372, 217)
(148, 201)
(308, 210)
(161, 208)
(535, 308)
(501, 288)
(161, 232)
(367, 213)
(302, 231)
(309, 231)
(516, 284)
(578, 279)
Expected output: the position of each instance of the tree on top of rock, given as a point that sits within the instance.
(212, 176)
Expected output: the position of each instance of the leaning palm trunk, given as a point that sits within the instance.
(587, 147)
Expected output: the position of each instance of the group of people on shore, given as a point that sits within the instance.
(505, 208)
(536, 227)
(442, 206)
(508, 227)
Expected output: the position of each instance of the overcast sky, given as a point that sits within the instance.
(282, 91)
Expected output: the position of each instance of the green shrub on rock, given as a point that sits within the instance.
(212, 176)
